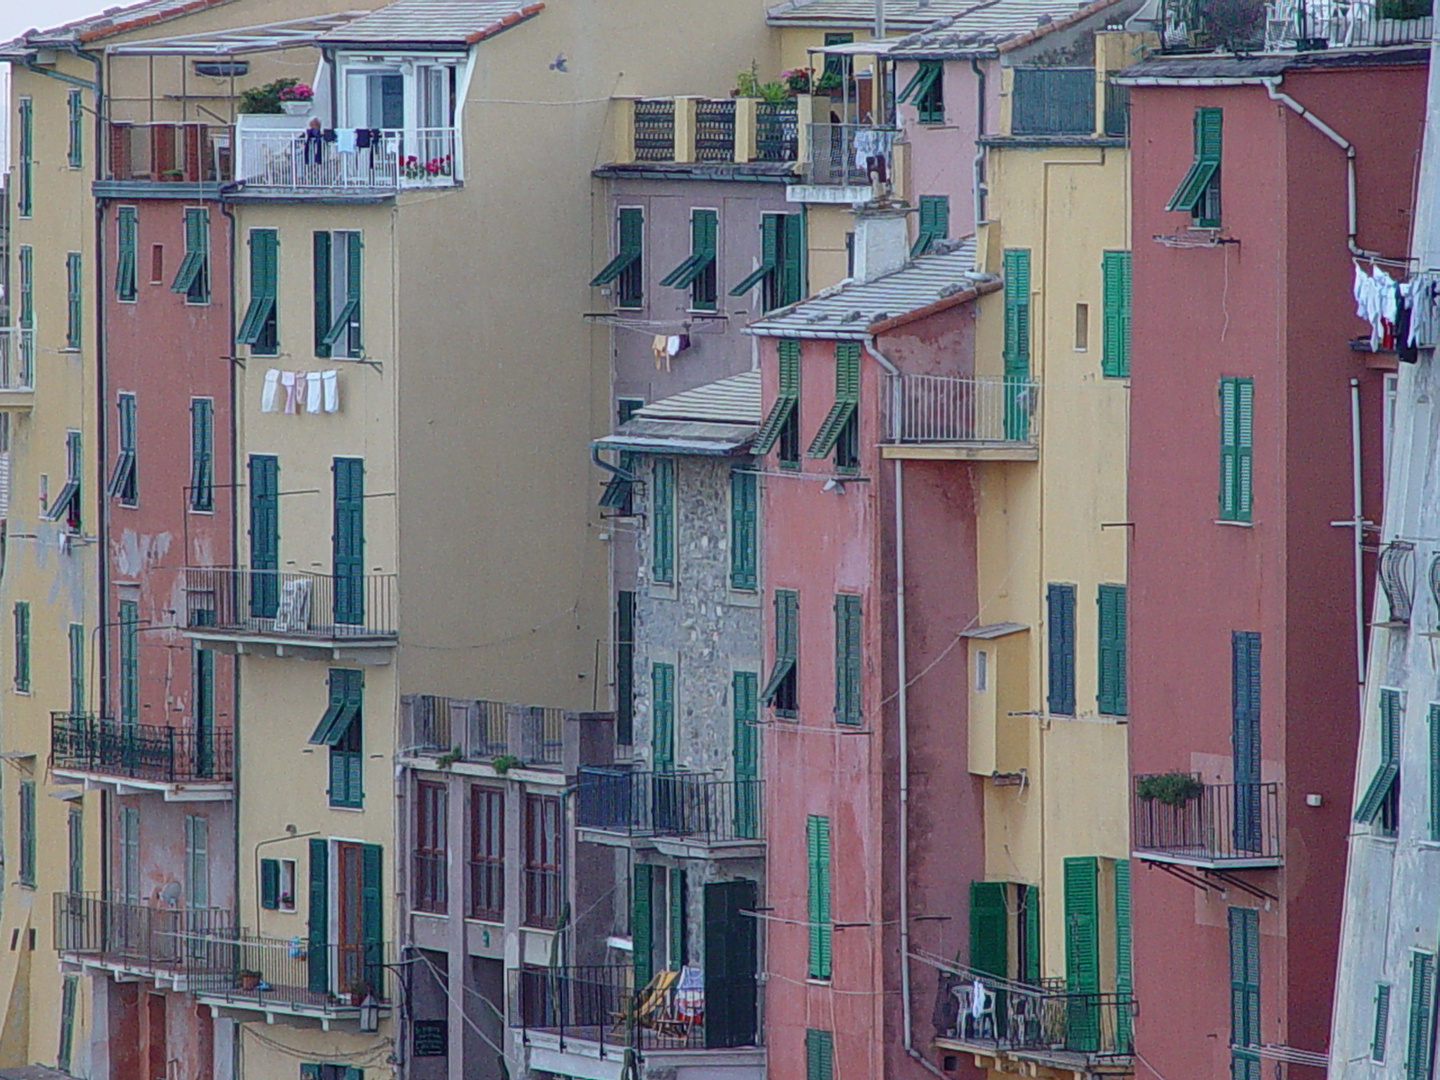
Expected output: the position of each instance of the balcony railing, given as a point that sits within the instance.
(286, 604)
(291, 159)
(655, 130)
(602, 1005)
(17, 359)
(845, 154)
(1301, 25)
(167, 755)
(715, 130)
(286, 974)
(696, 129)
(482, 730)
(132, 936)
(1039, 1021)
(1206, 825)
(945, 409)
(675, 805)
(169, 152)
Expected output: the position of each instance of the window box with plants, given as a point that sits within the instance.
(1168, 811)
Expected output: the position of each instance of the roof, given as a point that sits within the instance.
(718, 418)
(1000, 26)
(848, 310)
(993, 630)
(1227, 67)
(899, 14)
(114, 20)
(458, 23)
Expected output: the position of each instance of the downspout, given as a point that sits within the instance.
(902, 699)
(978, 165)
(1359, 538)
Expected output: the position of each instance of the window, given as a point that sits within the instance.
(542, 861)
(202, 454)
(847, 659)
(260, 328)
(817, 851)
(347, 547)
(624, 667)
(619, 494)
(1245, 994)
(22, 647)
(1419, 1044)
(782, 425)
(662, 717)
(75, 837)
(122, 484)
(1082, 327)
(26, 260)
(325, 1071)
(628, 265)
(840, 430)
(1382, 1022)
(487, 853)
(197, 862)
(782, 262)
(744, 536)
(697, 272)
(129, 662)
(77, 669)
(1237, 423)
(1380, 805)
(838, 66)
(272, 887)
(782, 688)
(1060, 620)
(340, 729)
(355, 904)
(819, 1055)
(73, 300)
(125, 232)
(75, 155)
(68, 994)
(1245, 739)
(1199, 190)
(1112, 696)
(193, 277)
(1115, 357)
(27, 833)
(25, 193)
(926, 91)
(662, 527)
(430, 855)
(130, 855)
(745, 752)
(203, 708)
(157, 264)
(1018, 401)
(934, 222)
(338, 286)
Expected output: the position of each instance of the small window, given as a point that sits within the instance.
(1199, 190)
(781, 429)
(627, 268)
(125, 230)
(66, 505)
(338, 291)
(260, 328)
(982, 671)
(782, 688)
(222, 69)
(933, 224)
(193, 277)
(277, 884)
(340, 729)
(836, 67)
(926, 91)
(1237, 426)
(123, 484)
(840, 430)
(782, 262)
(202, 454)
(157, 264)
(1082, 327)
(697, 272)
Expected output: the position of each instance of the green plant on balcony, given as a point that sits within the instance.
(450, 757)
(1402, 9)
(796, 80)
(504, 763)
(1172, 788)
(265, 99)
(828, 83)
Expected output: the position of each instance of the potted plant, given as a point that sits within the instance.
(265, 99)
(796, 80)
(1172, 788)
(1167, 813)
(830, 83)
(747, 83)
(247, 978)
(296, 100)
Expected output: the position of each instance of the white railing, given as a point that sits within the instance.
(287, 159)
(945, 409)
(17, 358)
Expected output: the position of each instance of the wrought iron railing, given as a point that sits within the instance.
(135, 936)
(946, 409)
(715, 130)
(106, 747)
(261, 972)
(655, 130)
(290, 604)
(777, 131)
(601, 1004)
(1052, 101)
(297, 159)
(686, 805)
(17, 358)
(847, 153)
(1206, 823)
(1007, 1015)
(163, 152)
(1319, 24)
(1397, 579)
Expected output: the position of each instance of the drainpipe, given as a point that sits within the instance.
(1359, 538)
(902, 698)
(978, 165)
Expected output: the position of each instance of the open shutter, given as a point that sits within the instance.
(354, 287)
(1082, 922)
(348, 540)
(769, 254)
(270, 884)
(318, 952)
(1030, 959)
(792, 262)
(372, 914)
(641, 929)
(989, 920)
(787, 353)
(1115, 355)
(1190, 195)
(67, 1022)
(323, 315)
(1124, 954)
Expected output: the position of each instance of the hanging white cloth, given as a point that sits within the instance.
(267, 392)
(331, 381)
(312, 392)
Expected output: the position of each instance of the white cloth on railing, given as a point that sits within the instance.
(690, 995)
(869, 143)
(1377, 302)
(345, 140)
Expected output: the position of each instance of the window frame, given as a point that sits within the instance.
(663, 539)
(202, 456)
(259, 328)
(544, 840)
(848, 652)
(124, 479)
(782, 688)
(932, 223)
(840, 430)
(127, 232)
(431, 851)
(698, 272)
(1237, 449)
(627, 269)
(1199, 191)
(487, 859)
(781, 429)
(744, 530)
(192, 277)
(74, 301)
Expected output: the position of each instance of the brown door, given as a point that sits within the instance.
(351, 925)
(158, 1053)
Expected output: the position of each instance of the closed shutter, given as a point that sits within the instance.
(630, 292)
(1030, 958)
(129, 662)
(204, 711)
(320, 254)
(847, 659)
(27, 832)
(1237, 415)
(1082, 925)
(318, 952)
(662, 734)
(1115, 355)
(1419, 1044)
(662, 528)
(1060, 616)
(641, 929)
(25, 196)
(130, 855)
(1016, 265)
(1435, 772)
(677, 934)
(744, 538)
(68, 995)
(270, 884)
(792, 260)
(348, 540)
(731, 962)
(73, 298)
(22, 647)
(745, 691)
(1113, 698)
(1124, 957)
(75, 156)
(1381, 1030)
(1245, 738)
(819, 1055)
(77, 669)
(75, 835)
(624, 667)
(1244, 993)
(989, 921)
(264, 535)
(372, 915)
(817, 840)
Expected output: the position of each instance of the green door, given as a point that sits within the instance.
(348, 540)
(1082, 953)
(731, 958)
(318, 951)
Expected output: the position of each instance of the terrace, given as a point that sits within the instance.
(186, 766)
(683, 814)
(107, 934)
(969, 418)
(1181, 820)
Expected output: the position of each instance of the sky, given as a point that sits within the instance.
(17, 16)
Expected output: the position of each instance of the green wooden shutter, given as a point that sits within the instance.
(318, 952)
(27, 832)
(204, 694)
(1060, 616)
(125, 253)
(1382, 1022)
(1422, 1009)
(1237, 409)
(77, 669)
(73, 297)
(270, 884)
(129, 662)
(202, 454)
(1113, 697)
(321, 275)
(731, 962)
(930, 101)
(22, 647)
(1115, 354)
(624, 667)
(68, 994)
(745, 751)
(662, 529)
(1124, 953)
(847, 659)
(1030, 959)
(630, 292)
(25, 196)
(933, 223)
(989, 928)
(817, 842)
(744, 536)
(260, 327)
(677, 935)
(662, 735)
(1082, 924)
(1016, 266)
(264, 535)
(1245, 738)
(354, 290)
(310, 1070)
(27, 286)
(769, 254)
(704, 226)
(1195, 187)
(792, 260)
(75, 156)
(75, 836)
(847, 398)
(372, 915)
(348, 540)
(641, 929)
(1244, 992)
(1435, 772)
(787, 353)
(819, 1055)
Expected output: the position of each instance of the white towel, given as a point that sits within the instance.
(312, 392)
(267, 392)
(345, 140)
(332, 391)
(287, 380)
(672, 344)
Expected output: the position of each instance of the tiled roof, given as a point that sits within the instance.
(899, 14)
(735, 400)
(1001, 26)
(849, 309)
(116, 20)
(1225, 66)
(432, 22)
(718, 418)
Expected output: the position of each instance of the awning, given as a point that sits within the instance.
(679, 437)
(264, 37)
(994, 630)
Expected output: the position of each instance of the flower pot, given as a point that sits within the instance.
(296, 108)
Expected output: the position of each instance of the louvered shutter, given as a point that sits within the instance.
(642, 938)
(989, 924)
(323, 315)
(318, 951)
(662, 735)
(817, 840)
(1082, 952)
(270, 884)
(264, 535)
(348, 540)
(744, 537)
(1380, 1032)
(1112, 697)
(1115, 356)
(372, 915)
(1060, 613)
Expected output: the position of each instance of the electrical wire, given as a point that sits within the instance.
(364, 1057)
(444, 983)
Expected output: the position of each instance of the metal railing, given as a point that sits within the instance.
(601, 1004)
(166, 151)
(290, 604)
(841, 153)
(777, 131)
(1036, 1020)
(1207, 823)
(669, 805)
(106, 747)
(275, 973)
(655, 130)
(1052, 101)
(17, 358)
(132, 935)
(542, 735)
(715, 130)
(1319, 24)
(947, 409)
(291, 159)
(482, 730)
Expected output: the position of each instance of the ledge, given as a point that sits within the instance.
(960, 452)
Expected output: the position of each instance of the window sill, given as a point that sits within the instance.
(742, 598)
(20, 693)
(69, 349)
(197, 303)
(1236, 524)
(664, 590)
(123, 300)
(197, 510)
(348, 809)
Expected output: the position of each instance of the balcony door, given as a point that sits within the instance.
(375, 98)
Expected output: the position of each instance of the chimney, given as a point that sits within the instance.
(881, 243)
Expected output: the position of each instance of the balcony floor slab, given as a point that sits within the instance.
(1038, 1062)
(1204, 861)
(173, 791)
(677, 847)
(960, 452)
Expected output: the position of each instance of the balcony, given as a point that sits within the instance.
(976, 418)
(168, 153)
(314, 616)
(469, 731)
(1182, 820)
(286, 976)
(1020, 1027)
(139, 757)
(277, 156)
(17, 368)
(597, 1012)
(699, 131)
(841, 154)
(1292, 25)
(681, 814)
(103, 933)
